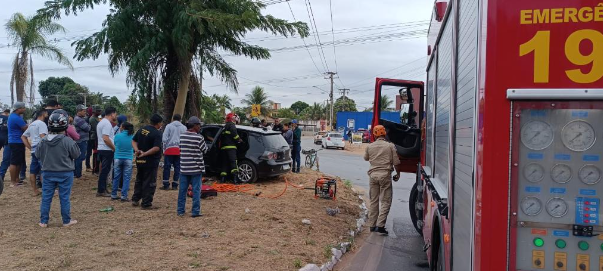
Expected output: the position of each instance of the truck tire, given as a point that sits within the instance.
(412, 203)
(440, 263)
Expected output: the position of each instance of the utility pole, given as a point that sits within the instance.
(343, 92)
(85, 95)
(330, 76)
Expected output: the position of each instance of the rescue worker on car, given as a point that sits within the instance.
(383, 158)
(228, 149)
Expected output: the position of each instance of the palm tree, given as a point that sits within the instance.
(223, 102)
(314, 112)
(385, 103)
(29, 35)
(258, 96)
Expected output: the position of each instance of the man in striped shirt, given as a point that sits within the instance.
(192, 166)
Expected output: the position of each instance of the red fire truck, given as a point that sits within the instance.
(506, 136)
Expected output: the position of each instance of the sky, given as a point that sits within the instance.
(385, 38)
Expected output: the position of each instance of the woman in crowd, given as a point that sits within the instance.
(122, 163)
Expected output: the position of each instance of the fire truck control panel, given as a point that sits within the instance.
(556, 169)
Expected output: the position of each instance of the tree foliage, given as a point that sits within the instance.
(385, 103)
(29, 35)
(175, 42)
(299, 107)
(344, 104)
(69, 95)
(258, 96)
(316, 111)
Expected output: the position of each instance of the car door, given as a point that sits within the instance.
(211, 157)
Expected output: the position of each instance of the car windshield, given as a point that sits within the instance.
(335, 135)
(274, 141)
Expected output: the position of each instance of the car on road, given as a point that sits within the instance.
(333, 140)
(365, 135)
(318, 137)
(262, 154)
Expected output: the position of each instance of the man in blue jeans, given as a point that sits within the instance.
(57, 152)
(171, 151)
(295, 151)
(192, 148)
(83, 129)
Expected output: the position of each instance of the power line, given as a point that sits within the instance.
(333, 35)
(304, 40)
(316, 36)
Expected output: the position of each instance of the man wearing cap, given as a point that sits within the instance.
(147, 146)
(83, 129)
(51, 106)
(295, 151)
(16, 127)
(192, 148)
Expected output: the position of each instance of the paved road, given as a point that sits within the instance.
(402, 249)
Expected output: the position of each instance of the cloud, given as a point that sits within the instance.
(357, 64)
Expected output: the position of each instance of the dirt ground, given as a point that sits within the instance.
(356, 148)
(269, 235)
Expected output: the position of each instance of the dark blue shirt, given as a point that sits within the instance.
(15, 126)
(3, 130)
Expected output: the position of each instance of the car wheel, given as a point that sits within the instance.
(412, 208)
(247, 172)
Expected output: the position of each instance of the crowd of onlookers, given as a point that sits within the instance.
(59, 144)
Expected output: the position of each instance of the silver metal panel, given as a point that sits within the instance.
(430, 108)
(464, 133)
(546, 188)
(555, 94)
(442, 122)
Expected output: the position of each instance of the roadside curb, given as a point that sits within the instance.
(344, 247)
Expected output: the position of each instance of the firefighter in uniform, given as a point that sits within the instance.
(228, 149)
(383, 158)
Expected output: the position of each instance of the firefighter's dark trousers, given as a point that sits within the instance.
(229, 163)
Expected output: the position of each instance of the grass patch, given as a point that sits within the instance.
(297, 263)
(310, 242)
(194, 255)
(327, 251)
(347, 183)
(194, 265)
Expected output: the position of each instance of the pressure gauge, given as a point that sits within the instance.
(531, 206)
(537, 135)
(590, 174)
(533, 172)
(578, 135)
(556, 207)
(561, 173)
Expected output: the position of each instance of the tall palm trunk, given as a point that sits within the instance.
(183, 84)
(21, 76)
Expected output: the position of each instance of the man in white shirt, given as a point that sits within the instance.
(31, 138)
(106, 149)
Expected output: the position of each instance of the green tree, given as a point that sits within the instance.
(242, 114)
(175, 41)
(344, 104)
(258, 96)
(28, 35)
(286, 113)
(315, 112)
(385, 103)
(299, 107)
(223, 102)
(113, 101)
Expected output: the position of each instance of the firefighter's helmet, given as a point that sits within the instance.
(378, 131)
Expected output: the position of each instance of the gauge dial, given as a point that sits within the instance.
(561, 173)
(533, 172)
(531, 206)
(590, 174)
(537, 135)
(578, 135)
(556, 207)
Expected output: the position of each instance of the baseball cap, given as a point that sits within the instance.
(194, 120)
(80, 107)
(18, 105)
(294, 121)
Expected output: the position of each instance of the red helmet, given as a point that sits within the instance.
(232, 117)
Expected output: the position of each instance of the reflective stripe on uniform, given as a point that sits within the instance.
(229, 148)
(227, 132)
(234, 170)
(236, 137)
(223, 174)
